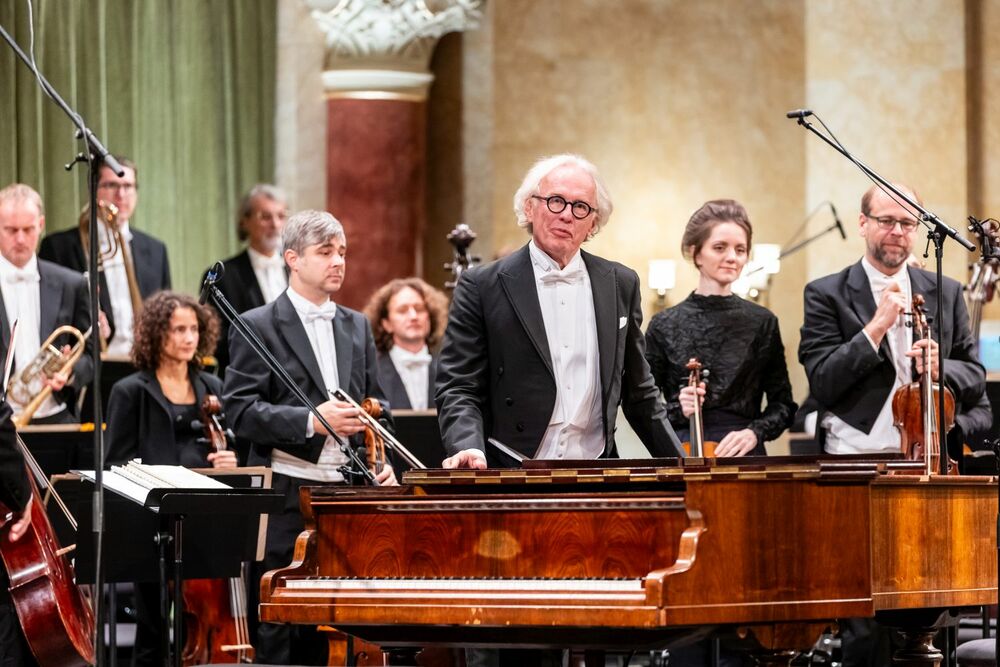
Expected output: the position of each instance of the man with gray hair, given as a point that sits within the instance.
(257, 275)
(543, 345)
(322, 346)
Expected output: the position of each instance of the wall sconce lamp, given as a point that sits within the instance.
(765, 261)
(662, 278)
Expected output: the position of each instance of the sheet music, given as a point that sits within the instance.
(135, 480)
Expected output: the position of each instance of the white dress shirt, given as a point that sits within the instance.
(118, 291)
(841, 437)
(318, 323)
(21, 300)
(413, 368)
(270, 272)
(576, 430)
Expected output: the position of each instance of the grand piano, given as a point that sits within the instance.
(642, 554)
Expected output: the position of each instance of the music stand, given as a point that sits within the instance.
(180, 523)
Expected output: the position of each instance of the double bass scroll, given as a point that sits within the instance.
(461, 237)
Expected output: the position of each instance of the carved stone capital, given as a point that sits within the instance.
(382, 48)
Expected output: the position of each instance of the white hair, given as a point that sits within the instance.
(545, 166)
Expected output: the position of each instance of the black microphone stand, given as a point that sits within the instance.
(94, 155)
(937, 230)
(209, 290)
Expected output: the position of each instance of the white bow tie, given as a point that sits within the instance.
(275, 261)
(325, 312)
(568, 276)
(413, 360)
(23, 276)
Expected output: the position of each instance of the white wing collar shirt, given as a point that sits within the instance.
(270, 272)
(576, 429)
(318, 323)
(118, 292)
(412, 368)
(21, 300)
(843, 438)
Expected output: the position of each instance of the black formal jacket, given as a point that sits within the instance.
(14, 487)
(62, 299)
(495, 376)
(392, 384)
(140, 422)
(240, 287)
(261, 409)
(850, 379)
(152, 268)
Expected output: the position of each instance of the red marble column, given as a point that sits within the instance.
(376, 161)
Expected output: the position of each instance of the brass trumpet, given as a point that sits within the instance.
(28, 387)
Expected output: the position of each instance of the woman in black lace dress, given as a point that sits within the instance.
(736, 340)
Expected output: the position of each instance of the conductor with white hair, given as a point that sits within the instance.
(544, 345)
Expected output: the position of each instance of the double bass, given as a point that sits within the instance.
(215, 610)
(915, 407)
(55, 616)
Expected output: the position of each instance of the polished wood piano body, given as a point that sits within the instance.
(638, 554)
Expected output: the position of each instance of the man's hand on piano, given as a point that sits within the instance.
(387, 477)
(467, 458)
(343, 417)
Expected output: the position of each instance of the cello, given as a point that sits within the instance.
(914, 407)
(215, 610)
(55, 616)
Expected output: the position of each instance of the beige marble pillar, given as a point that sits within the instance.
(375, 81)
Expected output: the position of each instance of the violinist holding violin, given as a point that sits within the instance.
(738, 342)
(154, 415)
(323, 346)
(857, 348)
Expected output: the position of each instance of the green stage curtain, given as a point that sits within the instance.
(186, 88)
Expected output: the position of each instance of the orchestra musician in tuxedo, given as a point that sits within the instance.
(153, 415)
(149, 257)
(322, 345)
(857, 350)
(15, 493)
(257, 275)
(40, 296)
(544, 345)
(408, 317)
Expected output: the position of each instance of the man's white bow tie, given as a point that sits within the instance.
(23, 276)
(325, 312)
(414, 360)
(568, 276)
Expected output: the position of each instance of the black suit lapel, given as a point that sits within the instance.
(862, 301)
(604, 286)
(432, 371)
(49, 302)
(291, 329)
(518, 282)
(244, 270)
(343, 336)
(156, 391)
(4, 327)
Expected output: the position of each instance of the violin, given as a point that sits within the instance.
(915, 407)
(215, 610)
(374, 443)
(56, 617)
(697, 447)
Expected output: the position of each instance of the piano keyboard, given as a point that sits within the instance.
(330, 584)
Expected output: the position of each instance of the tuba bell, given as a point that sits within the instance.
(28, 388)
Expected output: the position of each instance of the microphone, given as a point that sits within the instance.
(799, 113)
(836, 218)
(211, 277)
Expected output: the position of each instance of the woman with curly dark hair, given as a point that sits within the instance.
(151, 416)
(408, 318)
